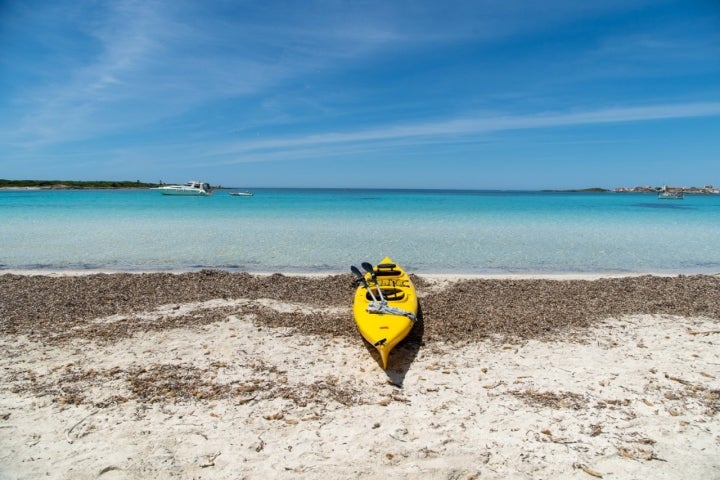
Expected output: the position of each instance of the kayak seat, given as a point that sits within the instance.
(386, 270)
(395, 296)
(390, 294)
(393, 273)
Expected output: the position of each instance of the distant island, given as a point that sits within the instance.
(580, 190)
(73, 184)
(705, 190)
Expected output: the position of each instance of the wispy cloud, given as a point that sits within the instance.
(453, 130)
(147, 61)
(88, 77)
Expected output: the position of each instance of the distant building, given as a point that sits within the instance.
(706, 189)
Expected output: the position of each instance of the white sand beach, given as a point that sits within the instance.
(635, 396)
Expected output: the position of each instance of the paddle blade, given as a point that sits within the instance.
(369, 268)
(361, 279)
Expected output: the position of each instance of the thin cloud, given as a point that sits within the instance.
(170, 59)
(445, 131)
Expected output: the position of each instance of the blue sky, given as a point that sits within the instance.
(417, 94)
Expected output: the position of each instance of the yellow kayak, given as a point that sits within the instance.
(386, 315)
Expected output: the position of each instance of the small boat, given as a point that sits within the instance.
(671, 195)
(385, 305)
(191, 188)
(241, 194)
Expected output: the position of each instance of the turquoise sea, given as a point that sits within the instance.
(305, 230)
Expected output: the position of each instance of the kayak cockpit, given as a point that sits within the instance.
(389, 294)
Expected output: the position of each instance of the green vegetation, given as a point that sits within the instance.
(582, 190)
(73, 184)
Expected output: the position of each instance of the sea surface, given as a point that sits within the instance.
(325, 231)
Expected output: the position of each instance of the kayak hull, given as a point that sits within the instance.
(383, 330)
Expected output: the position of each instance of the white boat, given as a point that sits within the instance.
(671, 195)
(192, 187)
(241, 194)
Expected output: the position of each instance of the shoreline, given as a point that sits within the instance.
(314, 274)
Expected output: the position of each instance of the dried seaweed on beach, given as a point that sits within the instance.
(552, 400)
(65, 307)
(42, 305)
(472, 309)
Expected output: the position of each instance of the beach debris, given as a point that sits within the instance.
(549, 437)
(109, 468)
(706, 332)
(274, 416)
(34, 440)
(588, 470)
(207, 460)
(613, 403)
(243, 401)
(491, 386)
(639, 452)
(259, 445)
(677, 379)
(67, 433)
(59, 309)
(400, 434)
(553, 400)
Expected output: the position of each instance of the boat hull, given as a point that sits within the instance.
(186, 193)
(671, 196)
(383, 330)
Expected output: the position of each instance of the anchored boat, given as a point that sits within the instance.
(385, 305)
(192, 187)
(671, 195)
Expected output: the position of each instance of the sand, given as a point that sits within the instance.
(231, 376)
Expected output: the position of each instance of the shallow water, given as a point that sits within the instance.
(300, 230)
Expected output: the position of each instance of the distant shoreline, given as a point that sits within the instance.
(580, 190)
(434, 276)
(74, 185)
(35, 189)
(34, 185)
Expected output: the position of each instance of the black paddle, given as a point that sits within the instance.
(361, 277)
(369, 268)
